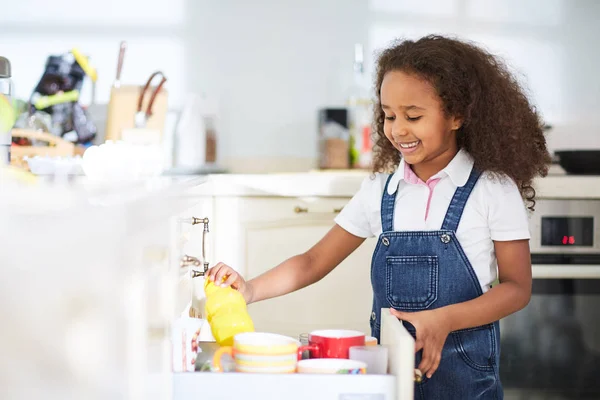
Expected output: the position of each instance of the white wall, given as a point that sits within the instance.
(272, 64)
(30, 30)
(551, 45)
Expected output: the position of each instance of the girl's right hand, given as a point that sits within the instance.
(232, 278)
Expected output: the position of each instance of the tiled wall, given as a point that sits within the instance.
(272, 64)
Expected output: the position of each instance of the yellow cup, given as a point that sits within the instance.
(218, 298)
(259, 352)
(224, 326)
(226, 312)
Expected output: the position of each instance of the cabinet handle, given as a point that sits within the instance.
(299, 210)
(193, 261)
(194, 220)
(187, 261)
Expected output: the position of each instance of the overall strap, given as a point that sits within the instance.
(457, 204)
(388, 202)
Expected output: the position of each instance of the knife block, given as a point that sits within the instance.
(122, 108)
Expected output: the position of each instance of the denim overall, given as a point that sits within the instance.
(414, 271)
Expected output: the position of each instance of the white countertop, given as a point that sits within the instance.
(328, 183)
(568, 187)
(347, 183)
(308, 184)
(48, 196)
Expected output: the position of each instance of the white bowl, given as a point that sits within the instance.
(331, 366)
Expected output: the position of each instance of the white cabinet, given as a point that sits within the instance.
(254, 234)
(94, 268)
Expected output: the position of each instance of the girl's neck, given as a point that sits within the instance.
(426, 169)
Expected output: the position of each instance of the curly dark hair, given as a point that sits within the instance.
(501, 130)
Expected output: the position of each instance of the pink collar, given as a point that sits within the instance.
(412, 178)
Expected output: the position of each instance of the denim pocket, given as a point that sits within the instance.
(411, 281)
(476, 347)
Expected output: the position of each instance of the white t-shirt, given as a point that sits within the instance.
(495, 210)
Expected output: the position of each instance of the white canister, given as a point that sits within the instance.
(194, 142)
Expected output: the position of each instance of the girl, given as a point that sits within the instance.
(465, 144)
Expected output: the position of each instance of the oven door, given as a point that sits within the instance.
(551, 348)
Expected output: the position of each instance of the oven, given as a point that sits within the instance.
(551, 348)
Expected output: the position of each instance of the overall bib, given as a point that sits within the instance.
(421, 270)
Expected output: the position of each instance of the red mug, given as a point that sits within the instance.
(334, 343)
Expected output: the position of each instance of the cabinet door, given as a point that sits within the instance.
(276, 231)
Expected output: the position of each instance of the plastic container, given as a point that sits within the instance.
(226, 312)
(376, 358)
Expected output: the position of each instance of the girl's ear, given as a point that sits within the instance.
(456, 123)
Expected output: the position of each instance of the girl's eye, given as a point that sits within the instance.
(390, 118)
(413, 119)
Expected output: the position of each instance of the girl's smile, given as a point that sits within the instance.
(408, 147)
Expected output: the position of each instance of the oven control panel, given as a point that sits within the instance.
(567, 231)
(565, 227)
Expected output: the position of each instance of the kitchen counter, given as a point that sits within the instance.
(347, 183)
(568, 187)
(317, 183)
(308, 184)
(47, 196)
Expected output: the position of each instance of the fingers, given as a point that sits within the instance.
(436, 364)
(426, 362)
(231, 280)
(430, 361)
(223, 275)
(404, 316)
(418, 345)
(218, 272)
(212, 271)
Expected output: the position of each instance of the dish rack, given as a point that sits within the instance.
(56, 147)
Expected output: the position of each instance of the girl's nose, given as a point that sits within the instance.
(399, 133)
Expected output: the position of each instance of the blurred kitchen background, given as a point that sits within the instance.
(265, 69)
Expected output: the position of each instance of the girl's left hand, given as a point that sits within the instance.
(432, 328)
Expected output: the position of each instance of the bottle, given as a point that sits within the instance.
(7, 111)
(360, 106)
(226, 312)
(195, 139)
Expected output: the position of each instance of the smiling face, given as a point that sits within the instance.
(416, 124)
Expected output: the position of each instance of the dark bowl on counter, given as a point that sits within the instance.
(579, 162)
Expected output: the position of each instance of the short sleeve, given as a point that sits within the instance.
(507, 214)
(354, 217)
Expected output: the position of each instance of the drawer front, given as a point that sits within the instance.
(277, 209)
